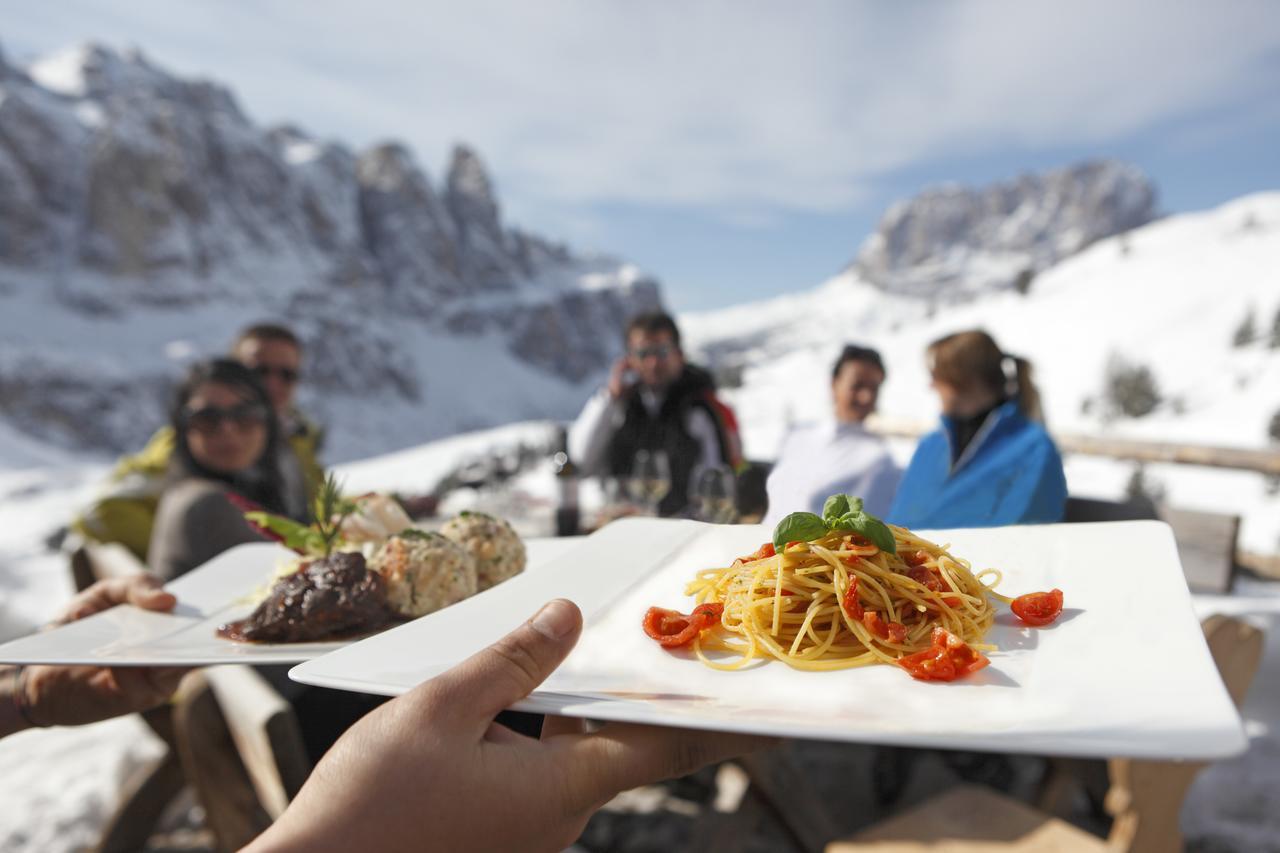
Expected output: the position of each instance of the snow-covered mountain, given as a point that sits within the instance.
(953, 242)
(145, 217)
(1171, 296)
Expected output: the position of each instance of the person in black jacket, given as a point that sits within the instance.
(655, 401)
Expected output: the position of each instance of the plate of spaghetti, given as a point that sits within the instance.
(850, 591)
(843, 628)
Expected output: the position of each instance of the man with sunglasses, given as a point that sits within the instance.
(655, 401)
(275, 354)
(125, 511)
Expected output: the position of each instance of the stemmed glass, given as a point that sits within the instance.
(714, 495)
(650, 479)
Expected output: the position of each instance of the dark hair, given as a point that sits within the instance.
(652, 323)
(262, 482)
(853, 352)
(974, 361)
(267, 332)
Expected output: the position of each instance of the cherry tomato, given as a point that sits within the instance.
(894, 632)
(916, 558)
(947, 659)
(934, 582)
(1038, 608)
(673, 629)
(765, 550)
(852, 606)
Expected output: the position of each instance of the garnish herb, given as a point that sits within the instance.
(318, 539)
(840, 512)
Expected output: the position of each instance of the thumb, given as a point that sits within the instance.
(510, 669)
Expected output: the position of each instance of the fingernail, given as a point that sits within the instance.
(555, 619)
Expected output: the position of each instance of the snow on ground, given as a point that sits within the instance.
(1172, 300)
(58, 786)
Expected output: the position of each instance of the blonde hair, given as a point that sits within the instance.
(973, 361)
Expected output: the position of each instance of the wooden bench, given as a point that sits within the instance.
(230, 735)
(1144, 799)
(1206, 541)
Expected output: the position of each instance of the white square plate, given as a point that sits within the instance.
(215, 593)
(1124, 671)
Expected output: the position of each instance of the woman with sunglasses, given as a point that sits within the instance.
(226, 438)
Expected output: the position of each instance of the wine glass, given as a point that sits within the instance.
(650, 479)
(714, 495)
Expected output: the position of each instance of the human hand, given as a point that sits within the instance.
(433, 769)
(74, 695)
(618, 384)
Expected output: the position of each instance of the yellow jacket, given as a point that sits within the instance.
(125, 510)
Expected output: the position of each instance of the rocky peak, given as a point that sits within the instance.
(953, 242)
(487, 252)
(133, 197)
(470, 192)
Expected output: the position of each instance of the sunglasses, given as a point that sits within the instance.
(659, 351)
(286, 374)
(209, 418)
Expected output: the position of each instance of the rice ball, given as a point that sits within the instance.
(424, 572)
(497, 549)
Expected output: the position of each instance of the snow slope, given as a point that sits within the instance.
(1169, 295)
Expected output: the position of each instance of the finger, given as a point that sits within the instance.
(102, 595)
(553, 726)
(509, 670)
(141, 590)
(146, 591)
(620, 757)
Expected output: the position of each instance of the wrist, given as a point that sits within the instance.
(14, 714)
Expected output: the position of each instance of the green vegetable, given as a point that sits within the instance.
(839, 512)
(330, 511)
(302, 538)
(844, 512)
(312, 540)
(798, 527)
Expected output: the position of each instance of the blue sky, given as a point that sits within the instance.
(734, 149)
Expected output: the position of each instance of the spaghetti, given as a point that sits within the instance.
(840, 601)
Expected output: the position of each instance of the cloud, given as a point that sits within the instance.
(745, 108)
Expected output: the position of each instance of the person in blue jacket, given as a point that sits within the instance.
(991, 462)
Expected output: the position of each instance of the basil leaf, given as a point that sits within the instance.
(868, 527)
(879, 534)
(835, 506)
(798, 527)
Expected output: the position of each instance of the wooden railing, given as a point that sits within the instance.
(1182, 453)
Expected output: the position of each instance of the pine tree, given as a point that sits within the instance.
(1275, 331)
(1246, 331)
(1130, 389)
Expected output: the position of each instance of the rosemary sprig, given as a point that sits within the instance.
(331, 509)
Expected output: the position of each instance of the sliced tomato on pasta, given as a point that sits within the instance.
(1038, 608)
(765, 550)
(894, 632)
(947, 659)
(934, 582)
(852, 606)
(674, 629)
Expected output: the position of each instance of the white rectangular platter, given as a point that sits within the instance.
(1124, 672)
(217, 592)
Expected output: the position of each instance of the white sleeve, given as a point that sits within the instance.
(589, 436)
(882, 486)
(701, 427)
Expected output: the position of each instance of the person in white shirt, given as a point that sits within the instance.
(838, 456)
(654, 401)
